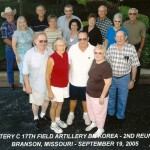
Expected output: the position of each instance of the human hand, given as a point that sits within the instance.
(131, 85)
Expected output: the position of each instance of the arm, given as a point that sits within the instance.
(141, 47)
(49, 69)
(7, 41)
(133, 76)
(105, 90)
(27, 84)
(106, 43)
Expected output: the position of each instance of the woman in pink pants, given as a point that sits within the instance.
(100, 77)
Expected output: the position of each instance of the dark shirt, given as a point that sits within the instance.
(97, 74)
(95, 36)
(38, 25)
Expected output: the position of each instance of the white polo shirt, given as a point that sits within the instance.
(80, 63)
(34, 65)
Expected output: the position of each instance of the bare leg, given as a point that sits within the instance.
(45, 106)
(53, 108)
(35, 109)
(58, 110)
(84, 106)
(73, 104)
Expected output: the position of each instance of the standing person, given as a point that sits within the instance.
(124, 62)
(63, 21)
(57, 83)
(52, 31)
(80, 58)
(7, 29)
(39, 23)
(21, 42)
(34, 71)
(100, 77)
(137, 34)
(94, 33)
(102, 22)
(111, 32)
(72, 37)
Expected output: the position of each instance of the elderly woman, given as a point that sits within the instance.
(94, 33)
(74, 26)
(21, 42)
(34, 71)
(100, 77)
(52, 31)
(57, 83)
(111, 32)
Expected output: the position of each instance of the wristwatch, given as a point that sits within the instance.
(140, 50)
(133, 80)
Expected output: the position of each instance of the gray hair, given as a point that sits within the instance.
(134, 9)
(118, 15)
(102, 6)
(59, 39)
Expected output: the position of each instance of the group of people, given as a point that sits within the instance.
(59, 58)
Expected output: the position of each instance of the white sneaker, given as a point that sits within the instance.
(98, 133)
(61, 124)
(90, 127)
(70, 119)
(56, 128)
(86, 119)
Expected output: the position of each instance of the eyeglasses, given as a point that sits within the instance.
(99, 53)
(117, 21)
(42, 41)
(84, 39)
(132, 14)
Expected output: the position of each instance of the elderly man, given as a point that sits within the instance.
(123, 60)
(81, 56)
(63, 21)
(7, 29)
(137, 34)
(102, 22)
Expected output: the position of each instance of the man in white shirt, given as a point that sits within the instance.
(81, 56)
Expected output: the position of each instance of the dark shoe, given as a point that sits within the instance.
(11, 86)
(46, 120)
(37, 125)
(111, 118)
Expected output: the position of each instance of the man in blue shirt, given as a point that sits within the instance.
(7, 29)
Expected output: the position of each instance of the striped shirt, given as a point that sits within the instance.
(52, 35)
(122, 60)
(103, 25)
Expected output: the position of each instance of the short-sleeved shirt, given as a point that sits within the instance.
(136, 31)
(38, 25)
(34, 65)
(63, 24)
(80, 63)
(123, 60)
(7, 30)
(24, 40)
(95, 36)
(110, 35)
(103, 25)
(97, 74)
(52, 35)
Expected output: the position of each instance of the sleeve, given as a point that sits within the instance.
(31, 31)
(107, 34)
(26, 64)
(107, 72)
(143, 31)
(15, 35)
(134, 58)
(4, 31)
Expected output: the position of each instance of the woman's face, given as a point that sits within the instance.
(74, 26)
(92, 22)
(99, 54)
(22, 24)
(52, 23)
(117, 22)
(60, 46)
(41, 42)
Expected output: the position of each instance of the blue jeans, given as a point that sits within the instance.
(122, 85)
(10, 58)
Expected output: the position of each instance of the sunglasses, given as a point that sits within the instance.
(99, 53)
(84, 39)
(132, 14)
(42, 41)
(117, 21)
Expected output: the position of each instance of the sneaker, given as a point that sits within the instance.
(86, 119)
(37, 125)
(70, 119)
(90, 127)
(61, 124)
(98, 133)
(46, 120)
(56, 128)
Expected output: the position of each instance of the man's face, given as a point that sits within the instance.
(102, 12)
(9, 17)
(41, 42)
(120, 38)
(68, 12)
(133, 15)
(83, 39)
(40, 11)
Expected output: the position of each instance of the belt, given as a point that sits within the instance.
(120, 77)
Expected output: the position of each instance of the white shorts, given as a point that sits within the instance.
(60, 93)
(38, 98)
